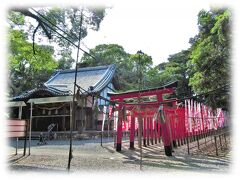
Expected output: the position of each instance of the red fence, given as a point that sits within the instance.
(160, 117)
(175, 123)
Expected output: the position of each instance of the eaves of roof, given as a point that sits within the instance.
(50, 90)
(107, 78)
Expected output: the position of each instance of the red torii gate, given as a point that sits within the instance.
(153, 125)
(161, 117)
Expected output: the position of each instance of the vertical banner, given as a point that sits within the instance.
(220, 117)
(104, 116)
(195, 116)
(190, 115)
(206, 117)
(200, 116)
(210, 117)
(115, 123)
(136, 123)
(129, 121)
(186, 116)
(110, 112)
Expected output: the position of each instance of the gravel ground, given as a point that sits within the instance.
(89, 155)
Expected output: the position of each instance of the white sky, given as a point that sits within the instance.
(157, 29)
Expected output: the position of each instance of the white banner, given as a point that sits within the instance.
(115, 115)
(104, 116)
(190, 115)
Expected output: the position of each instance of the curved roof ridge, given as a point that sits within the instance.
(92, 68)
(107, 77)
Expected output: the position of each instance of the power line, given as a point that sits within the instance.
(99, 96)
(95, 57)
(60, 33)
(202, 94)
(73, 99)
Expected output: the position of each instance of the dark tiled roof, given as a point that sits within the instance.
(97, 77)
(61, 82)
(41, 90)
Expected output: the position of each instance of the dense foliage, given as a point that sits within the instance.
(203, 68)
(210, 57)
(31, 61)
(28, 70)
(127, 64)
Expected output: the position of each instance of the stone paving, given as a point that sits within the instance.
(89, 155)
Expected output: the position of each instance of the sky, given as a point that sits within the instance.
(157, 29)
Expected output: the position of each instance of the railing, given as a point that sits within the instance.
(213, 134)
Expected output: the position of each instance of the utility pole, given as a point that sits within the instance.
(72, 120)
(140, 120)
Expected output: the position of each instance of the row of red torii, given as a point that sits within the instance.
(161, 118)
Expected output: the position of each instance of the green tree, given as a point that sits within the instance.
(126, 64)
(65, 61)
(31, 64)
(174, 70)
(142, 63)
(177, 70)
(65, 21)
(210, 56)
(28, 70)
(106, 54)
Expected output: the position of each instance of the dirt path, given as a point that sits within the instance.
(90, 156)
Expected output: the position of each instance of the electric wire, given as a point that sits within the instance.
(113, 102)
(61, 34)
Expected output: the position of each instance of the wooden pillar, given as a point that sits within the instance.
(70, 115)
(30, 130)
(151, 129)
(173, 131)
(132, 131)
(64, 119)
(165, 133)
(148, 131)
(25, 139)
(20, 112)
(155, 131)
(119, 130)
(159, 132)
(93, 117)
(166, 140)
(144, 131)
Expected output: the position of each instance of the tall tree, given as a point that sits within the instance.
(31, 63)
(66, 60)
(106, 54)
(54, 23)
(28, 70)
(178, 71)
(142, 63)
(174, 70)
(210, 56)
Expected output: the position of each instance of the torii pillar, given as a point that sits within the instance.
(119, 129)
(132, 130)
